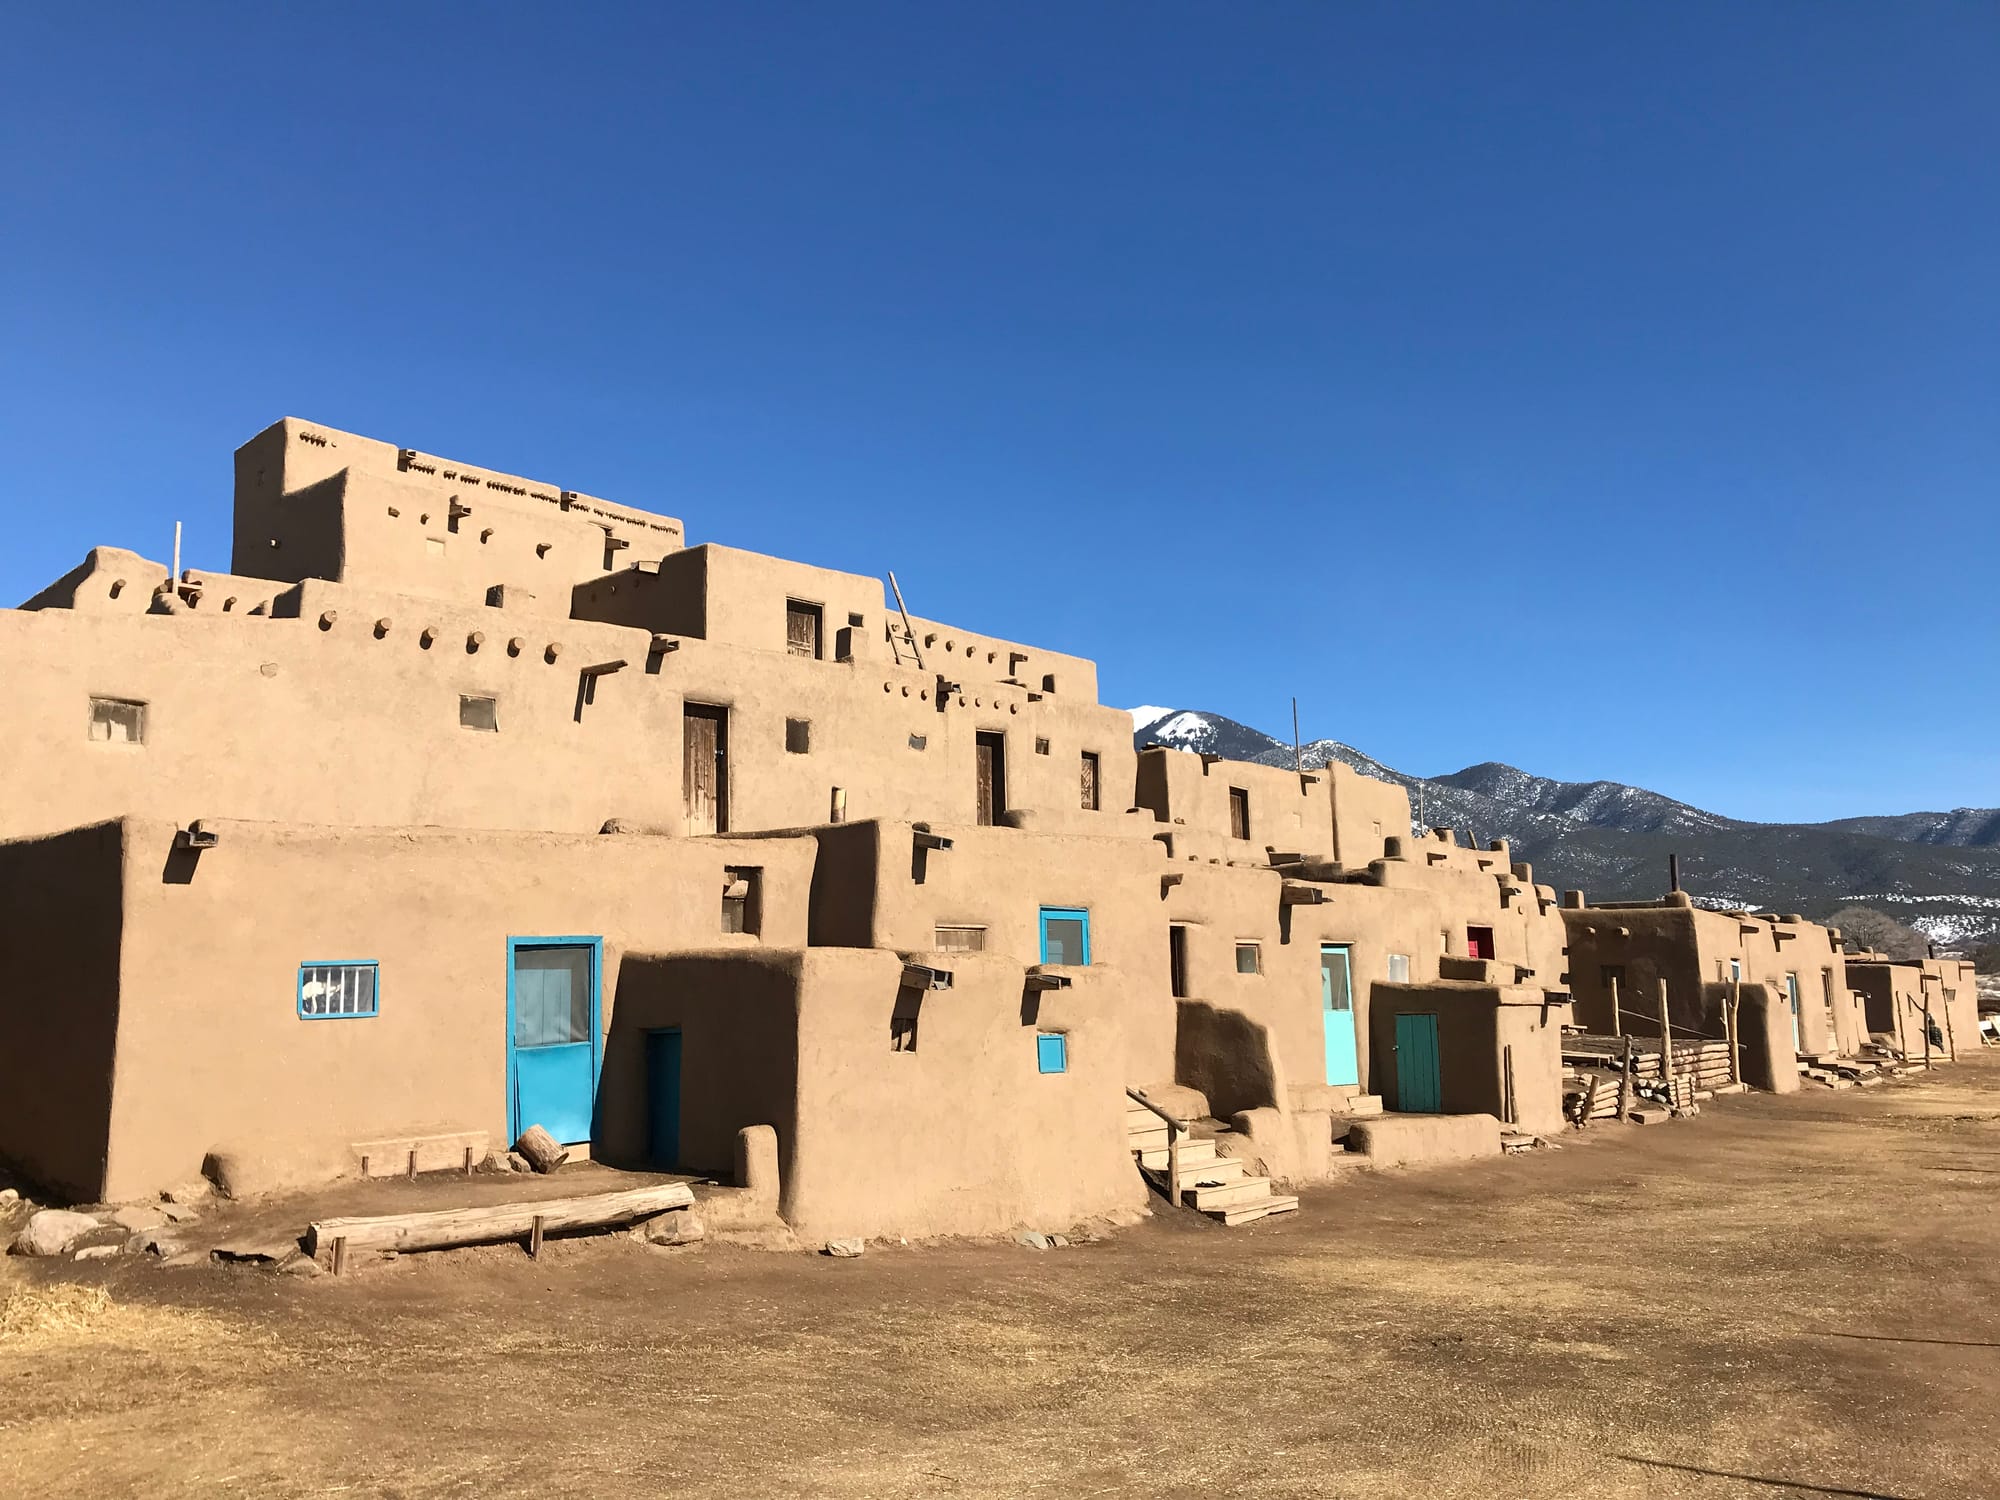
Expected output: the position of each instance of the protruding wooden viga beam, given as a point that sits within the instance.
(445, 1228)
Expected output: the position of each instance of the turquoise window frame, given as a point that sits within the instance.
(1080, 914)
(374, 967)
(1051, 1052)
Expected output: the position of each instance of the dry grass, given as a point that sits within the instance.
(65, 1315)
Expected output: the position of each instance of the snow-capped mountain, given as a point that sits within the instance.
(1939, 872)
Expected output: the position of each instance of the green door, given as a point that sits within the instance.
(1419, 1090)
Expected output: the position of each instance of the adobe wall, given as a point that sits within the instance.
(738, 598)
(1245, 1035)
(1894, 992)
(60, 936)
(1288, 812)
(1481, 1029)
(738, 1015)
(984, 661)
(1280, 1006)
(963, 1135)
(211, 1048)
(335, 710)
(1650, 943)
(875, 888)
(1695, 948)
(284, 719)
(315, 502)
(1367, 811)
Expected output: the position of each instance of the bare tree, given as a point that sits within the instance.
(1865, 927)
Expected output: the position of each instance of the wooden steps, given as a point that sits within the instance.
(1221, 1187)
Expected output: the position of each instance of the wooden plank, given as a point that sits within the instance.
(445, 1228)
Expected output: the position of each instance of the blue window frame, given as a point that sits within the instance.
(341, 990)
(1051, 1052)
(1065, 935)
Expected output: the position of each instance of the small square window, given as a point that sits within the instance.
(961, 939)
(903, 1033)
(1249, 958)
(434, 545)
(740, 905)
(479, 713)
(1041, 746)
(798, 736)
(918, 741)
(1399, 968)
(339, 991)
(1051, 1052)
(117, 721)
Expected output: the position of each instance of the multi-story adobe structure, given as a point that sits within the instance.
(1786, 978)
(464, 802)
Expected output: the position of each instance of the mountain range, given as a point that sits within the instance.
(1937, 872)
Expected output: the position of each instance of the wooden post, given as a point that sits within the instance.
(1625, 1082)
(1927, 1033)
(468, 1161)
(535, 1239)
(1950, 1040)
(1735, 1036)
(1666, 1045)
(1507, 1084)
(1298, 756)
(1617, 1025)
(1173, 1163)
(340, 1256)
(413, 1163)
(1902, 1046)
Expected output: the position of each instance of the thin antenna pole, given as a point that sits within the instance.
(174, 578)
(1298, 755)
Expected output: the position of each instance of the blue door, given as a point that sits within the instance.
(663, 1098)
(1065, 935)
(1792, 994)
(1419, 1089)
(552, 1035)
(1336, 1005)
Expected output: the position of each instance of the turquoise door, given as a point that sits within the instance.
(1419, 1089)
(552, 1035)
(663, 1098)
(1336, 1007)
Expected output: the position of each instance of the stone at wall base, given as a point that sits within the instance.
(53, 1231)
(846, 1249)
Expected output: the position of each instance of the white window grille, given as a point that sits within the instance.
(331, 991)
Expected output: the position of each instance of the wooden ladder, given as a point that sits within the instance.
(903, 635)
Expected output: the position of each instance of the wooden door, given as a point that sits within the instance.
(705, 768)
(1089, 781)
(802, 629)
(1239, 813)
(990, 751)
(1419, 1087)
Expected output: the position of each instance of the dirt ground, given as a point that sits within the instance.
(1786, 1296)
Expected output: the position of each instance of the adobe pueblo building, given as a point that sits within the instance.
(464, 803)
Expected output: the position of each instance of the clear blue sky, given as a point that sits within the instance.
(1613, 390)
